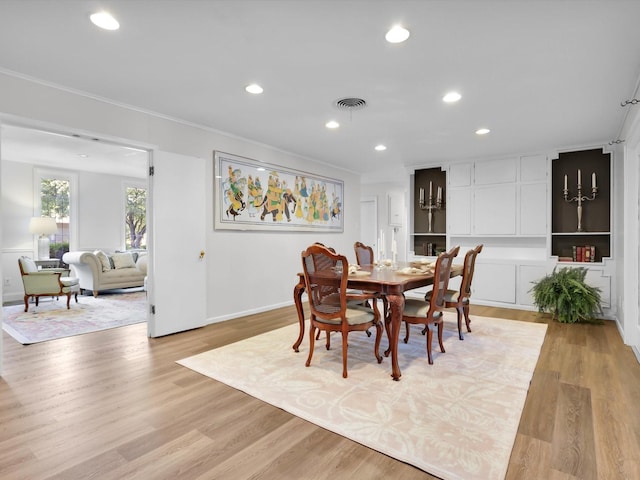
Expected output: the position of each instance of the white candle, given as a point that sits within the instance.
(382, 249)
(439, 196)
(394, 247)
(430, 189)
(421, 195)
(593, 180)
(579, 177)
(565, 183)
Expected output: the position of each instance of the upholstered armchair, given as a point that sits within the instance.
(46, 283)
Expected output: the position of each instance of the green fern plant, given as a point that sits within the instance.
(565, 294)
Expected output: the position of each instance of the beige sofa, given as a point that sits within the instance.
(98, 271)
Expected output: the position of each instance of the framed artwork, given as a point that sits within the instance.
(253, 195)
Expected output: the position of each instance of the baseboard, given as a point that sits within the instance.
(244, 313)
(12, 297)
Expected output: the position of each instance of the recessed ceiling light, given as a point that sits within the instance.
(83, 155)
(380, 148)
(332, 124)
(104, 20)
(451, 97)
(254, 88)
(397, 34)
(260, 169)
(482, 131)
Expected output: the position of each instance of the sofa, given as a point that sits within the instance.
(99, 270)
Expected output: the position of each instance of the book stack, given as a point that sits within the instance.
(585, 253)
(429, 249)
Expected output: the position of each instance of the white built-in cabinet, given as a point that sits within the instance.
(498, 197)
(505, 205)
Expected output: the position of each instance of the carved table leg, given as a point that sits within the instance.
(396, 307)
(297, 298)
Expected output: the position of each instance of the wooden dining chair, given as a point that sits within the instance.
(364, 256)
(326, 275)
(421, 312)
(459, 299)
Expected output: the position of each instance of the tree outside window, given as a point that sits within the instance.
(135, 218)
(55, 203)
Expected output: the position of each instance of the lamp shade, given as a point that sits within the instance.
(43, 226)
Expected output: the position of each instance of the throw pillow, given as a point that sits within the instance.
(104, 260)
(123, 260)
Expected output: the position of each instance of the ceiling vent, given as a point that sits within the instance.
(351, 103)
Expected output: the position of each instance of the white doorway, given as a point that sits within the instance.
(369, 222)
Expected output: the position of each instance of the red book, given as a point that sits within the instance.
(580, 253)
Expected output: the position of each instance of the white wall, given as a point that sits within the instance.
(247, 271)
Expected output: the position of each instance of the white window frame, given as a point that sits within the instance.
(72, 178)
(132, 184)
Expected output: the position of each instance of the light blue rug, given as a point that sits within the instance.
(51, 320)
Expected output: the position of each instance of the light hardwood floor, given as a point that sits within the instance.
(115, 405)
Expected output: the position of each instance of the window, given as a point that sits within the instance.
(135, 217)
(55, 202)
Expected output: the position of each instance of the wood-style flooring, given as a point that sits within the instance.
(115, 405)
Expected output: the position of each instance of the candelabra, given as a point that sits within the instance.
(430, 206)
(579, 198)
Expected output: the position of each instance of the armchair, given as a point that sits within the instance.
(45, 283)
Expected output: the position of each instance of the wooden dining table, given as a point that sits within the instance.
(387, 281)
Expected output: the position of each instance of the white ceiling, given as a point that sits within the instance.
(53, 150)
(542, 75)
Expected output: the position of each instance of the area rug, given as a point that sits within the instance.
(455, 419)
(51, 320)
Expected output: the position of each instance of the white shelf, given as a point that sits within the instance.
(575, 234)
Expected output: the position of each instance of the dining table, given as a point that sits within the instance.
(389, 281)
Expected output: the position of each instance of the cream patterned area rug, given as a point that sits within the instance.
(455, 419)
(51, 320)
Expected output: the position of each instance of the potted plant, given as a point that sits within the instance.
(565, 294)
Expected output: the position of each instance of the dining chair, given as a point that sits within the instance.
(364, 253)
(326, 275)
(459, 299)
(421, 312)
(364, 256)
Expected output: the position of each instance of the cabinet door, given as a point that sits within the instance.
(494, 282)
(533, 168)
(526, 276)
(495, 210)
(460, 175)
(459, 211)
(533, 209)
(496, 171)
(396, 209)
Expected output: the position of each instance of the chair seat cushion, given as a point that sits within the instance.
(418, 308)
(450, 296)
(68, 281)
(355, 316)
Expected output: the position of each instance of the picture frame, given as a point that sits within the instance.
(253, 195)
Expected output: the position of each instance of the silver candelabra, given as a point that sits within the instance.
(430, 206)
(579, 198)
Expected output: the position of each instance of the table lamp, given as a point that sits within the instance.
(43, 226)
